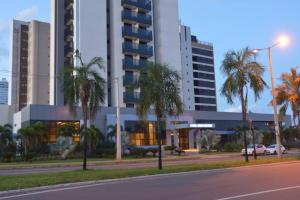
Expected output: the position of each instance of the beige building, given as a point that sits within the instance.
(29, 64)
(38, 63)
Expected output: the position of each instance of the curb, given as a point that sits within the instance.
(70, 186)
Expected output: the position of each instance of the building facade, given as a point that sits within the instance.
(3, 92)
(29, 64)
(181, 131)
(126, 34)
(198, 72)
(17, 97)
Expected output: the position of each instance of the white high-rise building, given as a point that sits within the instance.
(29, 64)
(198, 73)
(125, 33)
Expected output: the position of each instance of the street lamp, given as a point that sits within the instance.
(281, 41)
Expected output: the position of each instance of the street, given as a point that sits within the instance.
(265, 182)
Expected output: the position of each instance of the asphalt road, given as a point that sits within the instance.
(266, 182)
(127, 165)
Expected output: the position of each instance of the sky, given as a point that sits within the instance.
(228, 24)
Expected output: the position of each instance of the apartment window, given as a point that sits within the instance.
(205, 100)
(204, 92)
(204, 84)
(203, 60)
(203, 52)
(205, 108)
(203, 75)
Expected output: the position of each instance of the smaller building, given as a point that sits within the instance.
(180, 131)
(6, 115)
(3, 92)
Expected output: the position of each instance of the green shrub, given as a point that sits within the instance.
(233, 147)
(29, 156)
(204, 151)
(154, 151)
(179, 151)
(106, 149)
(7, 156)
(141, 152)
(170, 148)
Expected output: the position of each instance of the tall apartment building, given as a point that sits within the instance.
(29, 64)
(125, 33)
(198, 73)
(3, 91)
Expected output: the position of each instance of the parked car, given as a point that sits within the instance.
(272, 149)
(260, 149)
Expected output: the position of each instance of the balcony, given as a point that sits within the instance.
(133, 33)
(133, 64)
(134, 17)
(141, 49)
(128, 80)
(131, 97)
(141, 4)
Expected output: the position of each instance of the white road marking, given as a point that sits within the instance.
(261, 192)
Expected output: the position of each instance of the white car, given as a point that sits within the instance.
(272, 149)
(259, 148)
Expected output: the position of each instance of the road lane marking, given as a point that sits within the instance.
(261, 192)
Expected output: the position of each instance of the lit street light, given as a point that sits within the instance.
(282, 41)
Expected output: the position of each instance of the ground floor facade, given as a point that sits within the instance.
(181, 131)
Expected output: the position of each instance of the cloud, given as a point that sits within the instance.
(239, 108)
(28, 13)
(24, 15)
(234, 109)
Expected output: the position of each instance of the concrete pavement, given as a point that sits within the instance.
(264, 182)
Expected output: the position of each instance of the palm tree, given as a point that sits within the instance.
(83, 84)
(243, 74)
(6, 135)
(94, 136)
(288, 94)
(160, 91)
(26, 136)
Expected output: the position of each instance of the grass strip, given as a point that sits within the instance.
(12, 182)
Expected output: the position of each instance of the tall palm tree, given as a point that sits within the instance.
(159, 87)
(83, 85)
(242, 74)
(288, 94)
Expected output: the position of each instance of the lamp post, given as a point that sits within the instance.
(118, 138)
(282, 41)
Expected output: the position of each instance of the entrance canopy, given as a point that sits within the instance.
(191, 126)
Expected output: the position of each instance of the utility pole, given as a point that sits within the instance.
(118, 124)
(276, 121)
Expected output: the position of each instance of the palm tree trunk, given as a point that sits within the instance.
(244, 113)
(159, 143)
(85, 114)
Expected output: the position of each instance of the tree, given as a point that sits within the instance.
(6, 135)
(210, 138)
(288, 94)
(159, 90)
(84, 85)
(67, 130)
(94, 136)
(242, 74)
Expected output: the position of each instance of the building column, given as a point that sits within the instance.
(176, 139)
(168, 138)
(198, 139)
(191, 139)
